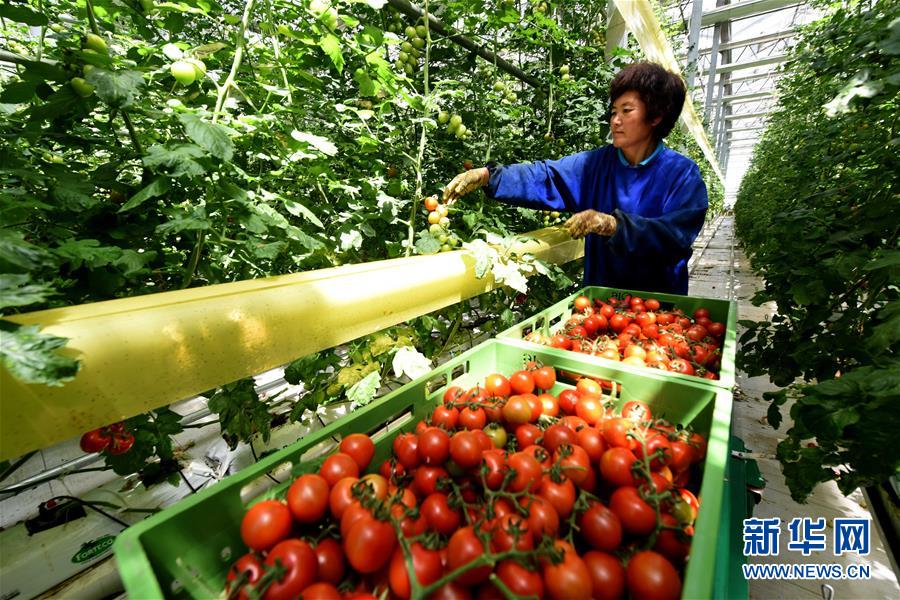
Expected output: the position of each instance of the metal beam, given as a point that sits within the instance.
(751, 64)
(737, 129)
(694, 42)
(772, 74)
(616, 29)
(755, 115)
(711, 72)
(763, 39)
(414, 12)
(742, 10)
(144, 352)
(748, 97)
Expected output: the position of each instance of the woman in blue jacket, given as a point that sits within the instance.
(640, 204)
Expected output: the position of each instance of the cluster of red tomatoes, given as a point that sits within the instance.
(636, 332)
(505, 490)
(115, 439)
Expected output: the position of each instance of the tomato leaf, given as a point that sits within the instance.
(157, 187)
(18, 255)
(178, 159)
(331, 46)
(32, 357)
(117, 89)
(19, 290)
(427, 243)
(23, 14)
(241, 412)
(212, 137)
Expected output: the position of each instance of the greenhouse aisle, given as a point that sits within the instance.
(721, 270)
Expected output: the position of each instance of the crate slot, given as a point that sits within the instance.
(265, 482)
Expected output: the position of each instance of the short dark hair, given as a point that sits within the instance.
(662, 91)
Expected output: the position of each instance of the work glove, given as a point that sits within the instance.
(590, 221)
(464, 183)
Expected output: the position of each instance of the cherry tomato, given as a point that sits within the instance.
(574, 462)
(615, 432)
(453, 394)
(465, 449)
(590, 408)
(464, 547)
(426, 479)
(616, 466)
(341, 496)
(248, 569)
(472, 418)
(545, 378)
(527, 435)
(426, 565)
(369, 544)
(543, 519)
(527, 472)
(265, 524)
(330, 558)
(519, 579)
(511, 531)
(651, 576)
(637, 411)
(95, 440)
(591, 439)
(517, 410)
(302, 569)
(308, 498)
(337, 466)
(434, 446)
(557, 435)
(495, 462)
(637, 517)
(439, 514)
(568, 580)
(601, 528)
(120, 443)
(607, 575)
(561, 496)
(568, 400)
(445, 417)
(406, 449)
(497, 434)
(360, 448)
(549, 405)
(674, 544)
(497, 386)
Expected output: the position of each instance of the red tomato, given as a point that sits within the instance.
(520, 580)
(616, 466)
(590, 408)
(545, 378)
(330, 559)
(527, 435)
(517, 410)
(464, 547)
(391, 470)
(607, 574)
(450, 591)
(637, 411)
(601, 528)
(561, 496)
(497, 386)
(528, 472)
(521, 382)
(569, 580)
(557, 435)
(651, 304)
(716, 329)
(591, 440)
(426, 565)
(453, 394)
(121, 443)
(465, 449)
(434, 446)
(265, 524)
(568, 399)
(574, 462)
(302, 569)
(369, 544)
(440, 516)
(637, 517)
(406, 449)
(543, 519)
(581, 303)
(321, 591)
(95, 440)
(495, 462)
(426, 478)
(247, 569)
(308, 498)
(701, 313)
(682, 455)
(595, 323)
(511, 531)
(360, 448)
(679, 365)
(619, 322)
(674, 544)
(549, 405)
(445, 417)
(588, 387)
(615, 432)
(651, 576)
(560, 341)
(658, 447)
(472, 418)
(355, 512)
(698, 444)
(337, 466)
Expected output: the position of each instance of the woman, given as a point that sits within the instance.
(640, 204)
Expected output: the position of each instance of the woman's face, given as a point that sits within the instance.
(628, 121)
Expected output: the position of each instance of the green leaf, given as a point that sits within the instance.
(363, 391)
(18, 290)
(179, 223)
(87, 252)
(212, 137)
(178, 159)
(18, 255)
(367, 87)
(331, 45)
(22, 14)
(118, 89)
(427, 243)
(298, 210)
(318, 142)
(890, 260)
(32, 356)
(18, 92)
(241, 412)
(157, 187)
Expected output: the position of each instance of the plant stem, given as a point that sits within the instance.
(422, 141)
(236, 63)
(92, 20)
(276, 47)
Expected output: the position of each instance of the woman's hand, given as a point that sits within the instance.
(464, 183)
(591, 221)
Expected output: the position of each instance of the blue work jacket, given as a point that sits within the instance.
(659, 206)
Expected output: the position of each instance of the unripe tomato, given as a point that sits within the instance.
(183, 72)
(96, 43)
(81, 87)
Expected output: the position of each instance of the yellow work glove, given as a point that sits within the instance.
(590, 221)
(465, 183)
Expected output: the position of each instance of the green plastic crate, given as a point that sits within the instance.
(550, 320)
(185, 550)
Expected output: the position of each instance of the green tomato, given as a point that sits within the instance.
(402, 56)
(183, 72)
(451, 128)
(421, 31)
(442, 238)
(554, 215)
(461, 131)
(444, 222)
(406, 47)
(81, 87)
(453, 241)
(455, 121)
(199, 66)
(498, 86)
(410, 32)
(148, 6)
(446, 248)
(564, 70)
(96, 43)
(566, 77)
(86, 69)
(435, 229)
(443, 117)
(418, 42)
(409, 69)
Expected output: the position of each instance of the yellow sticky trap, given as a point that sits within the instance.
(141, 353)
